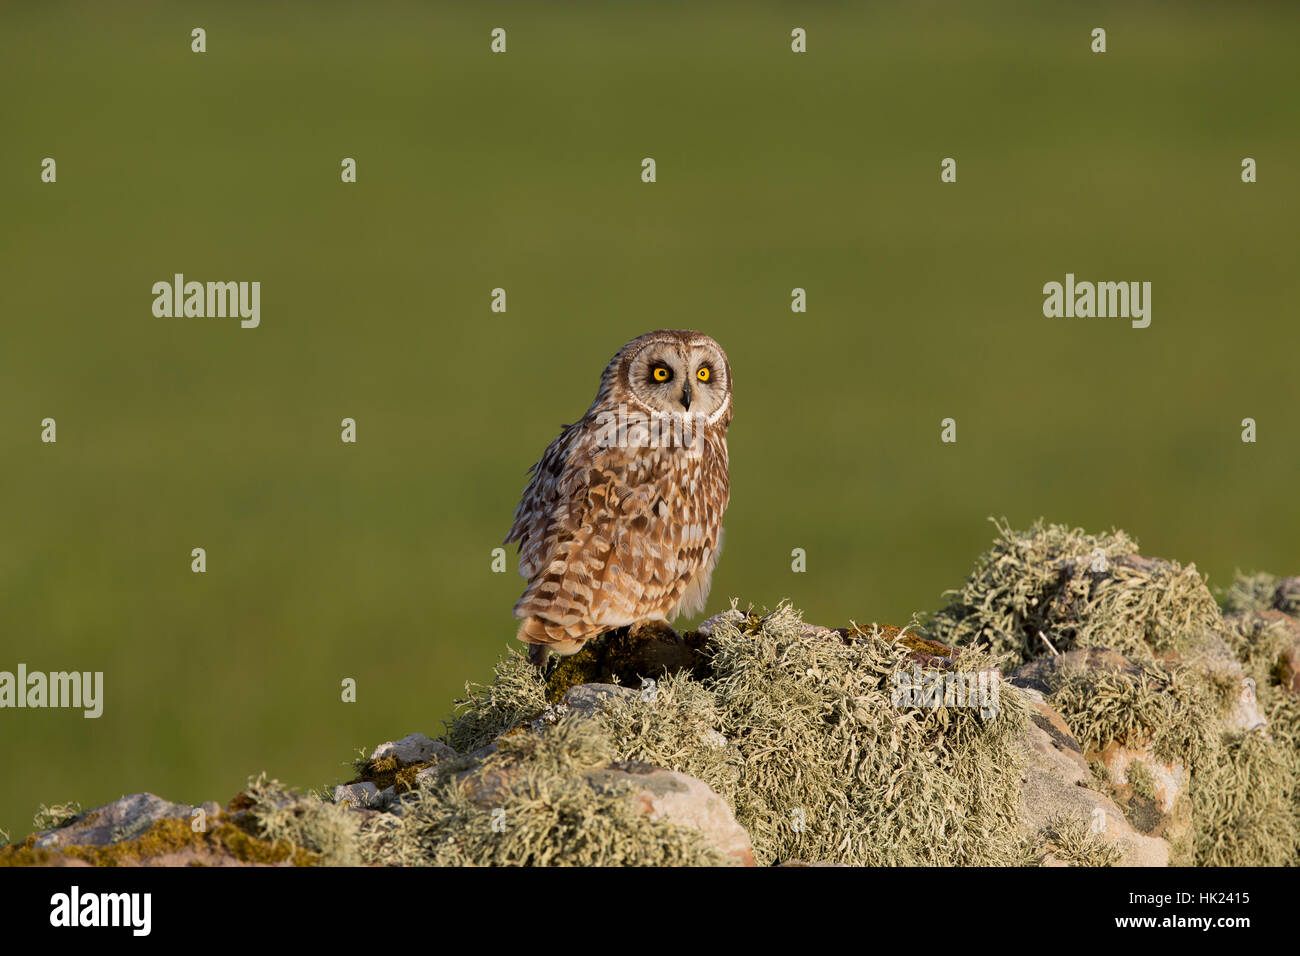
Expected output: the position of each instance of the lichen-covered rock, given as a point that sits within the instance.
(143, 830)
(1043, 673)
(393, 768)
(794, 726)
(363, 794)
(660, 794)
(555, 796)
(678, 798)
(802, 864)
(1059, 586)
(625, 656)
(1274, 636)
(1286, 596)
(732, 616)
(1244, 713)
(118, 821)
(1142, 725)
(1189, 735)
(413, 748)
(1057, 787)
(1149, 790)
(590, 698)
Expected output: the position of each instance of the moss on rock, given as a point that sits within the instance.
(1070, 841)
(225, 840)
(532, 803)
(796, 728)
(1052, 589)
(1059, 586)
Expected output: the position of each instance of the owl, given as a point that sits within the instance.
(621, 520)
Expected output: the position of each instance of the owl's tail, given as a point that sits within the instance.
(547, 636)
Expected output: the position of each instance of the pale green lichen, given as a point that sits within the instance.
(303, 822)
(1069, 839)
(1141, 780)
(55, 815)
(1244, 804)
(1049, 585)
(1067, 588)
(1172, 710)
(516, 694)
(532, 803)
(795, 728)
(1250, 593)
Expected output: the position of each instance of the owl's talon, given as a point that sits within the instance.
(537, 655)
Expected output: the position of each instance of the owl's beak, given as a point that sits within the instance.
(686, 396)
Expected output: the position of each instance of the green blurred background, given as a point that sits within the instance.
(775, 170)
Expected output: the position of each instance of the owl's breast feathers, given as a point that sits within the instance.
(613, 535)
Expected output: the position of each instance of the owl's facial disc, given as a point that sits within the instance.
(705, 388)
(659, 379)
(679, 379)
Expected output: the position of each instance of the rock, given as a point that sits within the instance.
(731, 616)
(802, 863)
(1040, 673)
(1245, 714)
(819, 633)
(714, 739)
(117, 822)
(144, 830)
(363, 794)
(682, 799)
(1057, 784)
(1149, 793)
(1286, 597)
(1148, 566)
(591, 698)
(1053, 725)
(1289, 668)
(427, 775)
(413, 748)
(1288, 663)
(483, 752)
(1216, 658)
(661, 794)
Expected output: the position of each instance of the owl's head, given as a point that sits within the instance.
(671, 372)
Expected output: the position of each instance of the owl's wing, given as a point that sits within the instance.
(542, 515)
(608, 537)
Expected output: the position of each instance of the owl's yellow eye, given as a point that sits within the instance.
(703, 373)
(661, 374)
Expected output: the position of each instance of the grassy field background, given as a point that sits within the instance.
(522, 171)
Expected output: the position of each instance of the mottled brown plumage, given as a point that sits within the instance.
(621, 519)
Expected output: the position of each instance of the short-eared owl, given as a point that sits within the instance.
(621, 519)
